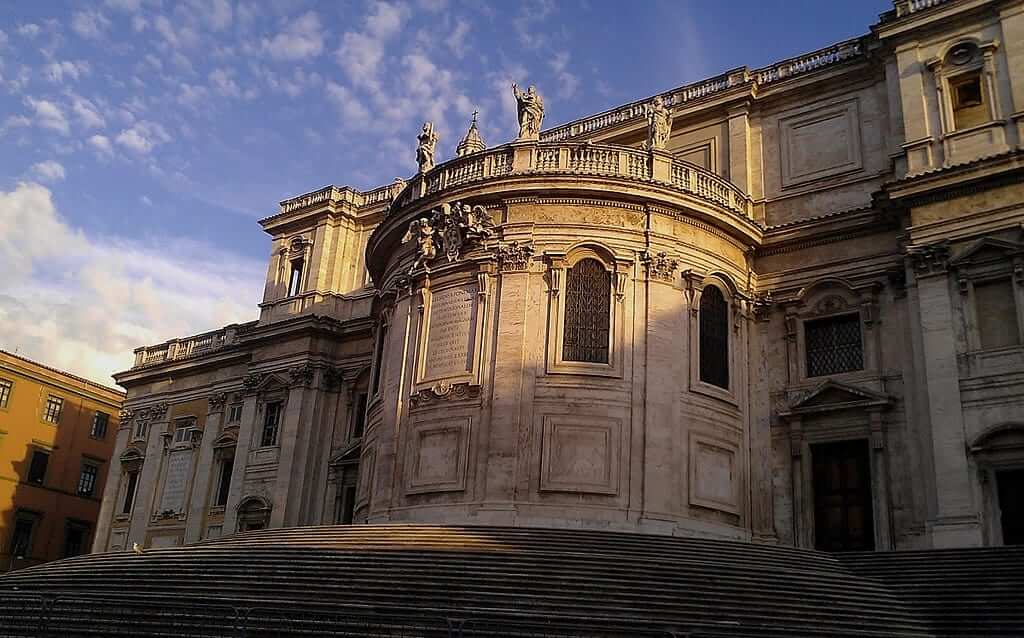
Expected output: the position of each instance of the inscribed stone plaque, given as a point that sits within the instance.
(174, 484)
(451, 332)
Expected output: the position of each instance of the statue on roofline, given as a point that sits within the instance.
(659, 124)
(530, 107)
(425, 150)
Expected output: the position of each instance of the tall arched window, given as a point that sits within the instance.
(588, 293)
(714, 337)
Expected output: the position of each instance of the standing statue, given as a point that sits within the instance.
(422, 232)
(659, 124)
(425, 149)
(530, 106)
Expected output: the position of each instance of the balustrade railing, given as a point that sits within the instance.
(905, 7)
(809, 62)
(184, 348)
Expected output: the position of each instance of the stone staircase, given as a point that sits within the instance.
(417, 580)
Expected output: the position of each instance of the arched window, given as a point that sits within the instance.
(714, 337)
(588, 293)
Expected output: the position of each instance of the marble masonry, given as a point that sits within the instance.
(782, 304)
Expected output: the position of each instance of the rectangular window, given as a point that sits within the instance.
(37, 470)
(21, 539)
(141, 426)
(359, 415)
(5, 392)
(183, 429)
(295, 278)
(969, 107)
(129, 493)
(234, 413)
(271, 423)
(75, 535)
(54, 406)
(87, 479)
(99, 425)
(833, 345)
(224, 486)
(997, 313)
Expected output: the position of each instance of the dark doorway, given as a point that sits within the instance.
(842, 497)
(1010, 484)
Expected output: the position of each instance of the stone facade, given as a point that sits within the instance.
(793, 312)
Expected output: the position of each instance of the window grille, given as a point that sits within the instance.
(37, 469)
(714, 338)
(833, 345)
(99, 425)
(54, 405)
(588, 293)
(87, 480)
(271, 424)
(5, 392)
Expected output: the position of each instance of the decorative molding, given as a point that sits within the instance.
(514, 256)
(621, 277)
(444, 391)
(761, 305)
(125, 416)
(451, 227)
(333, 378)
(830, 304)
(301, 375)
(252, 381)
(930, 259)
(215, 402)
(659, 266)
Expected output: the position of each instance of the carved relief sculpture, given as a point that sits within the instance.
(660, 266)
(452, 226)
(530, 107)
(659, 124)
(425, 149)
(514, 256)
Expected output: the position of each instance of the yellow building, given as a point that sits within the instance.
(57, 435)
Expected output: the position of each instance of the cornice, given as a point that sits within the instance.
(824, 229)
(66, 381)
(958, 180)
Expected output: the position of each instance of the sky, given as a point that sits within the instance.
(141, 140)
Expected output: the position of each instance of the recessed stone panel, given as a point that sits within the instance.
(820, 143)
(713, 480)
(437, 454)
(580, 454)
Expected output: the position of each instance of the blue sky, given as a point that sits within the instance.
(140, 140)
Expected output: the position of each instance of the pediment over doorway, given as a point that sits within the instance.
(831, 395)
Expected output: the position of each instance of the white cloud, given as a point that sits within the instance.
(302, 38)
(143, 137)
(48, 115)
(139, 24)
(29, 30)
(82, 303)
(102, 145)
(457, 40)
(14, 121)
(182, 37)
(216, 14)
(130, 6)
(361, 52)
(88, 115)
(568, 83)
(89, 24)
(48, 171)
(57, 71)
(146, 200)
(192, 95)
(292, 85)
(223, 82)
(351, 109)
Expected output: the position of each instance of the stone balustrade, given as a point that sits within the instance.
(183, 348)
(338, 194)
(581, 159)
(906, 7)
(787, 68)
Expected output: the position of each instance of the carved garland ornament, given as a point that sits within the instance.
(444, 391)
(514, 257)
(452, 228)
(929, 259)
(660, 266)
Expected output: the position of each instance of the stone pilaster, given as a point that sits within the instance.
(147, 490)
(245, 436)
(954, 520)
(199, 501)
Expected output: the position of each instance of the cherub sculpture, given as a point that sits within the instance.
(422, 232)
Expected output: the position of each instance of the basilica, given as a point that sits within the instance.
(781, 305)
